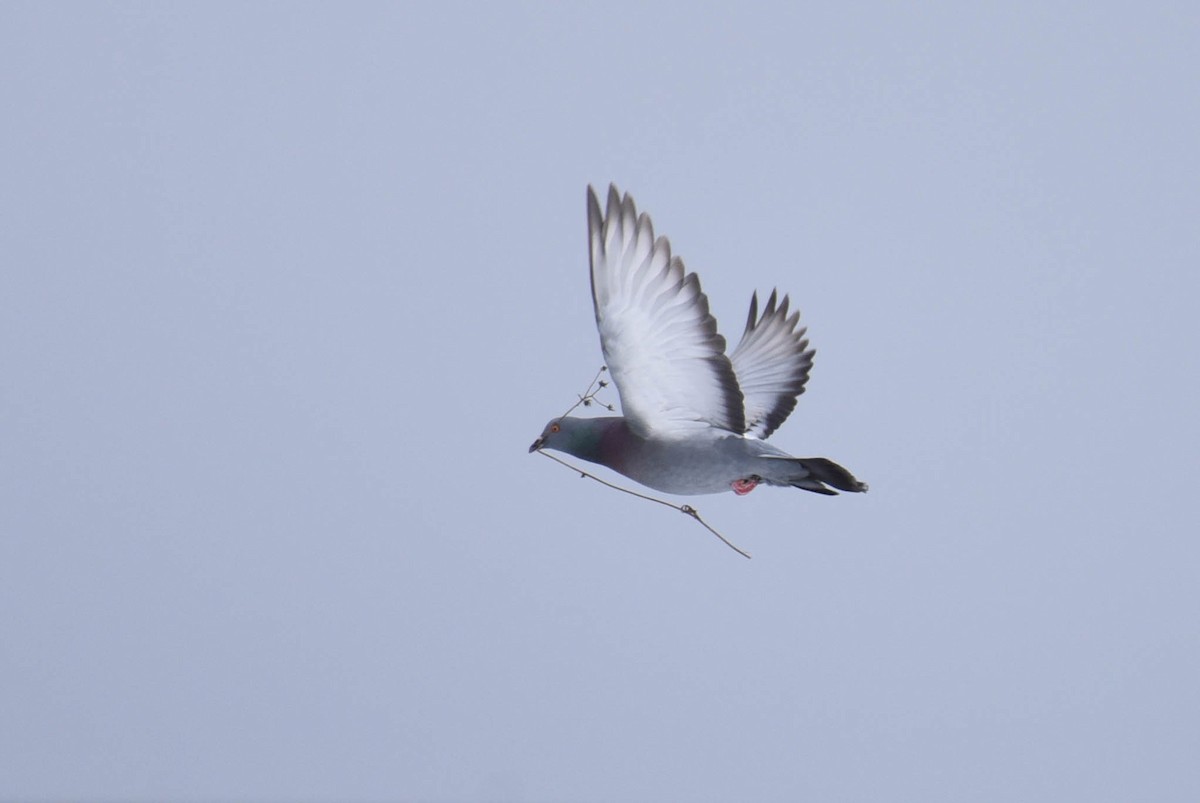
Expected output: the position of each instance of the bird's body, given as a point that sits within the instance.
(708, 463)
(695, 419)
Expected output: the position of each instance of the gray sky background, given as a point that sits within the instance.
(287, 290)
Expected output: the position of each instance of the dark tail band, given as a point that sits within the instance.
(822, 472)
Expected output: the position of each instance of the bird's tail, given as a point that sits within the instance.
(820, 472)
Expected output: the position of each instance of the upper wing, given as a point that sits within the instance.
(660, 342)
(772, 362)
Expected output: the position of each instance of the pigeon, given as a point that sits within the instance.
(695, 419)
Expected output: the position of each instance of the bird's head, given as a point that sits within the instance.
(577, 436)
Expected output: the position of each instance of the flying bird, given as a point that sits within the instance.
(695, 419)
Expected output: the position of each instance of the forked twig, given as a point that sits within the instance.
(688, 509)
(595, 386)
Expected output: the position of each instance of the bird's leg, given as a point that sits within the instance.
(743, 487)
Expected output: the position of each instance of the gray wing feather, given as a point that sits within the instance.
(772, 363)
(659, 339)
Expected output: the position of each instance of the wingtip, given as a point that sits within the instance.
(752, 318)
(595, 226)
(614, 198)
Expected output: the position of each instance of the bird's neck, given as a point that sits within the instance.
(599, 440)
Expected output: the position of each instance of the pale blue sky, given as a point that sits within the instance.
(286, 291)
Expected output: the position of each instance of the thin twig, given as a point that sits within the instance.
(688, 509)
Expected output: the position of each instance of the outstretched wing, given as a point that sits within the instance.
(660, 342)
(771, 362)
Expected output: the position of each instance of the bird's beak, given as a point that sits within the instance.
(536, 445)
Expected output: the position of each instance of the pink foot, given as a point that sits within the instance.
(743, 487)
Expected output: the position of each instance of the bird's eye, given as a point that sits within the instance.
(555, 428)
